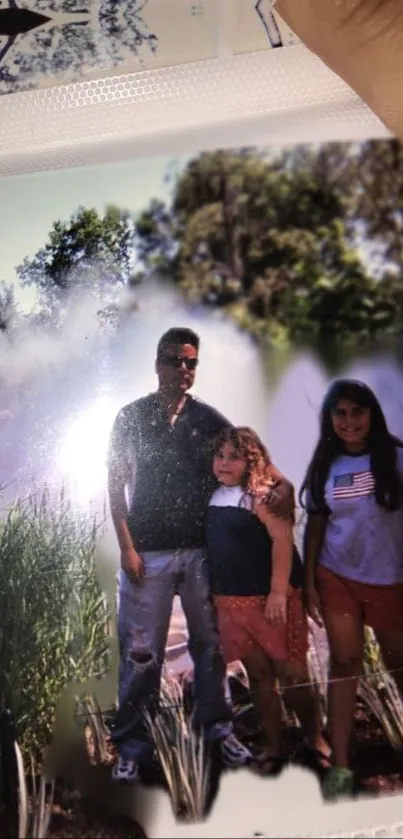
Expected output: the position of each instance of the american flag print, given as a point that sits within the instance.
(353, 485)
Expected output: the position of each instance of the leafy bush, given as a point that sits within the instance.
(54, 619)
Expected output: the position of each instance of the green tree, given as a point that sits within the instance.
(345, 300)
(274, 238)
(8, 307)
(156, 239)
(91, 252)
(284, 241)
(379, 199)
(376, 200)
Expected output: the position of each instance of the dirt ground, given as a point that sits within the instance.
(378, 767)
(75, 818)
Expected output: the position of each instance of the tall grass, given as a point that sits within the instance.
(35, 808)
(184, 756)
(54, 622)
(377, 688)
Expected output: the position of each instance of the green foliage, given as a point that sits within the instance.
(378, 197)
(54, 619)
(8, 307)
(379, 691)
(274, 241)
(183, 755)
(156, 237)
(302, 246)
(89, 251)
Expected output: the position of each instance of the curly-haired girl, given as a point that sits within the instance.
(255, 578)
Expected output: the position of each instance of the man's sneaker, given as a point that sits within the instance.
(126, 771)
(233, 753)
(338, 783)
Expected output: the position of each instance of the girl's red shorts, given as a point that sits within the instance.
(380, 607)
(243, 626)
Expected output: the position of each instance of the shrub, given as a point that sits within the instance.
(54, 619)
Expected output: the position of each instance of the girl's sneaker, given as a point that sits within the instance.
(233, 753)
(126, 771)
(338, 783)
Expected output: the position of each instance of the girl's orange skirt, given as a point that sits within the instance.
(243, 626)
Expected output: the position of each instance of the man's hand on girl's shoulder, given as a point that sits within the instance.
(281, 499)
(277, 500)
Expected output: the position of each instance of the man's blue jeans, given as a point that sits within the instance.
(144, 612)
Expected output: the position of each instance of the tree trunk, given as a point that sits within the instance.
(233, 256)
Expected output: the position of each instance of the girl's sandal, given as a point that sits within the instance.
(313, 759)
(268, 766)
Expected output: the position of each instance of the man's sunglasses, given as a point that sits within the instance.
(176, 362)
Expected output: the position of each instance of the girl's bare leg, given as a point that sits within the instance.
(345, 634)
(266, 700)
(300, 695)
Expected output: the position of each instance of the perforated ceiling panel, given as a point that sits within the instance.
(270, 96)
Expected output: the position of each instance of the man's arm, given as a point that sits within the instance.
(119, 474)
(312, 545)
(118, 478)
(283, 503)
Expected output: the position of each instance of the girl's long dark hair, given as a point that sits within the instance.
(381, 446)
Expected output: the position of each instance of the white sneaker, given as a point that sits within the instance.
(126, 771)
(234, 753)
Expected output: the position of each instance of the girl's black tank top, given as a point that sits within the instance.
(240, 549)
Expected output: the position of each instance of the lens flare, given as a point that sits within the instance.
(83, 451)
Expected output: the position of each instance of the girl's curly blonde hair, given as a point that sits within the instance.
(258, 473)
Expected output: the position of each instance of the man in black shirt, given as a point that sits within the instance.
(159, 452)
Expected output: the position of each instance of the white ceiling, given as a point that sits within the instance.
(267, 97)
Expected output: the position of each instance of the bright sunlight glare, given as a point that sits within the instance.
(83, 451)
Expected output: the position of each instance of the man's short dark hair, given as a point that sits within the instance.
(177, 336)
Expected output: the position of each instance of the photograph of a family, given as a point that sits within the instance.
(201, 438)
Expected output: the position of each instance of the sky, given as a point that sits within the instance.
(31, 203)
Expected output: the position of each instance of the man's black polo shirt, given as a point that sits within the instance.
(172, 467)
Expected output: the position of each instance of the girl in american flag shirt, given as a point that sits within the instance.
(353, 552)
